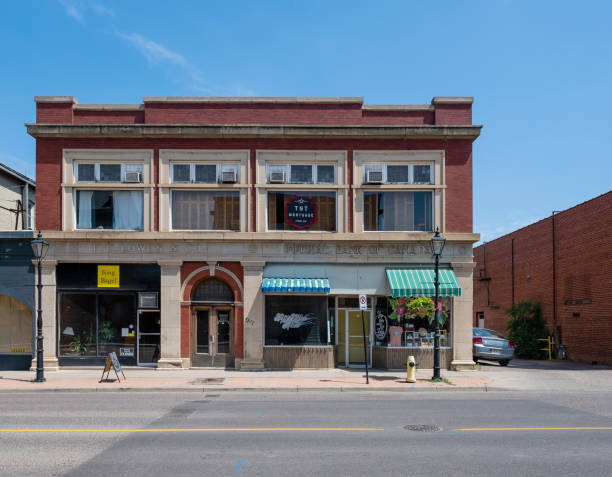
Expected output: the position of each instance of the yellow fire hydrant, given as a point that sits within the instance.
(411, 370)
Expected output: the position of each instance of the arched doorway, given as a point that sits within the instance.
(15, 334)
(212, 327)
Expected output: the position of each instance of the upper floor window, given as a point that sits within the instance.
(109, 209)
(204, 173)
(109, 172)
(205, 210)
(303, 210)
(398, 174)
(397, 211)
(301, 174)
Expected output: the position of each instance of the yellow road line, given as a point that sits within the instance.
(472, 429)
(231, 429)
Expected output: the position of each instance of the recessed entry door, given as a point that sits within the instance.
(213, 337)
(350, 338)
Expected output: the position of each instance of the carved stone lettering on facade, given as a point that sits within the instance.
(249, 322)
(349, 249)
(305, 249)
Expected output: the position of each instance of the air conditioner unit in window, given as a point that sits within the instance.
(374, 176)
(133, 177)
(277, 177)
(228, 175)
(147, 300)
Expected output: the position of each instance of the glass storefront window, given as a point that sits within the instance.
(296, 320)
(410, 322)
(95, 324)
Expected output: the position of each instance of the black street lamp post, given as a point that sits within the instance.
(39, 247)
(437, 245)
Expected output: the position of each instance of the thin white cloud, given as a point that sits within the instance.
(25, 167)
(102, 10)
(72, 10)
(153, 52)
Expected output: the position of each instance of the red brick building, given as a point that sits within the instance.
(176, 226)
(565, 263)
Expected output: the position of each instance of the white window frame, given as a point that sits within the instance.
(410, 173)
(435, 158)
(124, 168)
(127, 157)
(219, 169)
(223, 159)
(314, 176)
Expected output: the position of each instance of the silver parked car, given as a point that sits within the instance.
(491, 345)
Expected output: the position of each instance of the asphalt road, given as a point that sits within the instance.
(145, 434)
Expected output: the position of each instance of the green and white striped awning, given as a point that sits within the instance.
(420, 282)
(295, 285)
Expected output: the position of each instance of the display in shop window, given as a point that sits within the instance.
(412, 321)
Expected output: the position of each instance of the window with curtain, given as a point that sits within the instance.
(205, 210)
(397, 211)
(108, 209)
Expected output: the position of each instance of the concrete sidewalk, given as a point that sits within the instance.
(145, 379)
(520, 375)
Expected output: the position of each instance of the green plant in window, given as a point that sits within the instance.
(106, 332)
(422, 307)
(77, 345)
(399, 307)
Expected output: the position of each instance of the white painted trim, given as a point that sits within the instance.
(207, 267)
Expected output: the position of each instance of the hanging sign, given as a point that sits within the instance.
(301, 212)
(108, 276)
(380, 327)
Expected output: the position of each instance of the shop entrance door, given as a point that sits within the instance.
(149, 337)
(213, 337)
(350, 338)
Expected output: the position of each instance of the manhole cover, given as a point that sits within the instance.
(421, 428)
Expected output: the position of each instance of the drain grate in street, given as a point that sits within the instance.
(422, 428)
(212, 395)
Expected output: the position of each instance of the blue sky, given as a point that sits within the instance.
(540, 73)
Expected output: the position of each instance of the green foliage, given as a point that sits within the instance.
(422, 307)
(77, 345)
(105, 332)
(526, 326)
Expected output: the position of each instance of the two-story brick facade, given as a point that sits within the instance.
(192, 232)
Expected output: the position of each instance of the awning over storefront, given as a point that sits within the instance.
(420, 282)
(295, 285)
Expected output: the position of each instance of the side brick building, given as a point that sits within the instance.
(563, 262)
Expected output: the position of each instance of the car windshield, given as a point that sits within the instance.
(487, 333)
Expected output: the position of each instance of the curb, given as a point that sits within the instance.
(295, 388)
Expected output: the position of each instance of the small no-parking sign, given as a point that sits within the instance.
(363, 302)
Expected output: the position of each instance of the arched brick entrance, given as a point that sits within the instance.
(201, 352)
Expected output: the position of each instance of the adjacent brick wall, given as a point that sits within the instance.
(583, 257)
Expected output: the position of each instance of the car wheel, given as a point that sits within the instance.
(504, 362)
(475, 359)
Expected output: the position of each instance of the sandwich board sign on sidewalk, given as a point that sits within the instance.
(112, 362)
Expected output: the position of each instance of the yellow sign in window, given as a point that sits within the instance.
(108, 276)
